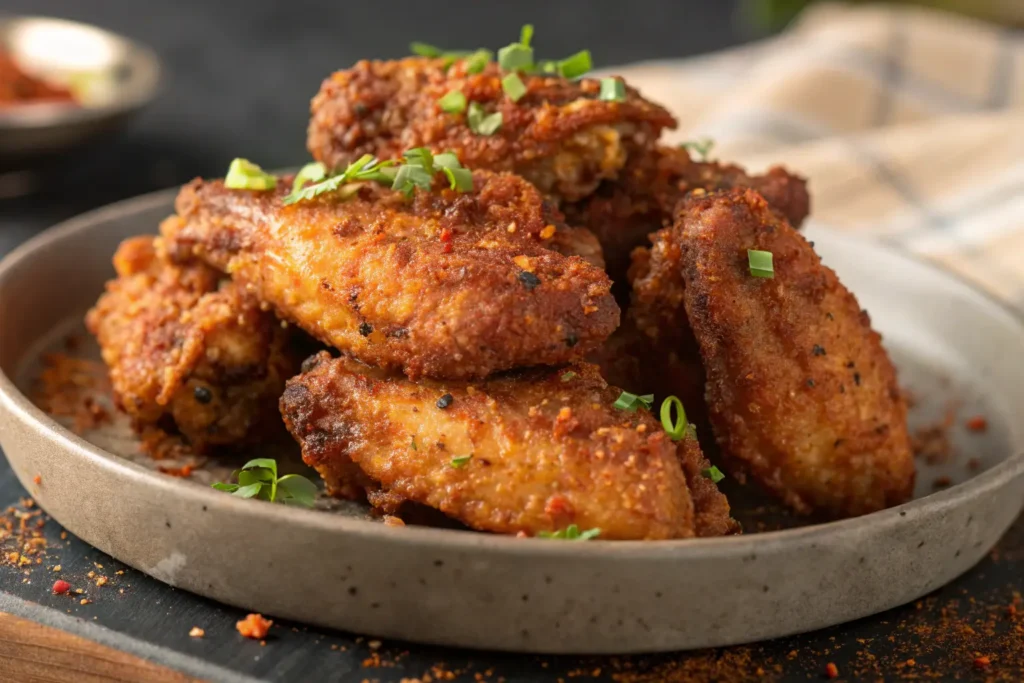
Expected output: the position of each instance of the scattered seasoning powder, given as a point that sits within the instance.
(254, 626)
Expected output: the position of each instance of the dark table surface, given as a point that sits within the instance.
(238, 77)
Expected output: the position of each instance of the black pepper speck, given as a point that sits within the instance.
(818, 350)
(528, 279)
(572, 340)
(856, 378)
(202, 394)
(810, 383)
(445, 401)
(365, 329)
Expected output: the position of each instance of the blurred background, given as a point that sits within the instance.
(237, 75)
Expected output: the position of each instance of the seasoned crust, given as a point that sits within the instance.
(183, 346)
(559, 135)
(447, 284)
(801, 393)
(548, 450)
(641, 200)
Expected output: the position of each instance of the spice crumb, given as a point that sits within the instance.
(84, 601)
(60, 587)
(254, 626)
(102, 581)
(56, 567)
(391, 520)
(942, 482)
(978, 423)
(197, 632)
(374, 644)
(831, 670)
(37, 480)
(982, 662)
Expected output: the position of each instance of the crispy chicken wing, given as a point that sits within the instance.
(182, 346)
(800, 391)
(528, 451)
(446, 284)
(641, 200)
(559, 135)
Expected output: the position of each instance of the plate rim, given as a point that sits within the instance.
(18, 405)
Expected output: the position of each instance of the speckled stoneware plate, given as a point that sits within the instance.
(956, 349)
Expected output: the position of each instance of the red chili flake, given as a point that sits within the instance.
(831, 670)
(446, 238)
(60, 587)
(37, 480)
(557, 506)
(982, 662)
(254, 626)
(978, 423)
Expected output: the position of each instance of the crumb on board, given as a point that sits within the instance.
(254, 626)
(37, 480)
(391, 520)
(931, 442)
(67, 388)
(831, 670)
(196, 632)
(942, 482)
(982, 662)
(61, 587)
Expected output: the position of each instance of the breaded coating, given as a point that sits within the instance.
(801, 393)
(559, 135)
(185, 347)
(624, 211)
(529, 451)
(446, 284)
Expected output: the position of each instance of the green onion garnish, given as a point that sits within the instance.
(245, 175)
(575, 65)
(612, 90)
(702, 147)
(515, 57)
(676, 430)
(478, 61)
(526, 34)
(713, 473)
(365, 168)
(461, 461)
(570, 533)
(460, 179)
(425, 50)
(760, 263)
(568, 376)
(481, 123)
(630, 402)
(454, 102)
(310, 173)
(513, 87)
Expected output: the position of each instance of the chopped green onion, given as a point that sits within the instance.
(461, 461)
(412, 444)
(245, 175)
(447, 160)
(676, 430)
(481, 123)
(547, 66)
(513, 87)
(630, 402)
(478, 61)
(612, 90)
(310, 173)
(702, 147)
(713, 473)
(515, 57)
(526, 34)
(454, 102)
(409, 177)
(760, 263)
(460, 179)
(568, 376)
(575, 65)
(570, 533)
(425, 50)
(420, 156)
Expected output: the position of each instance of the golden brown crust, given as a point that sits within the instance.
(800, 391)
(447, 284)
(641, 200)
(559, 135)
(181, 346)
(547, 450)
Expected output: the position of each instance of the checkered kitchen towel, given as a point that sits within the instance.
(909, 124)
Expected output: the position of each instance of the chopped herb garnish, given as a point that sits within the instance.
(513, 87)
(258, 479)
(760, 263)
(482, 123)
(365, 168)
(478, 61)
(568, 376)
(702, 147)
(425, 50)
(310, 173)
(445, 401)
(245, 175)
(461, 461)
(412, 444)
(526, 34)
(454, 102)
(570, 533)
(421, 166)
(460, 179)
(515, 57)
(612, 90)
(575, 65)
(675, 429)
(409, 177)
(630, 402)
(713, 473)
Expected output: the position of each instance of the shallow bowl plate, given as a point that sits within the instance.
(460, 588)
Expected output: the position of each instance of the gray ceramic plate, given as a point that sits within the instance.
(337, 569)
(111, 76)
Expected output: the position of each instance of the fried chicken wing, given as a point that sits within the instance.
(446, 284)
(559, 135)
(182, 346)
(529, 451)
(800, 391)
(641, 200)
